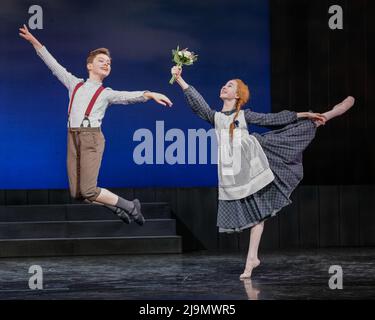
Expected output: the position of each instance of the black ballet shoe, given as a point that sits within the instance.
(122, 215)
(136, 213)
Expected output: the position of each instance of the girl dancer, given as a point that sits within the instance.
(258, 172)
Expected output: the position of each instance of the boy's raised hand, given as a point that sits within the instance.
(26, 34)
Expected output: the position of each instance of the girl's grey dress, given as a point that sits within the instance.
(283, 148)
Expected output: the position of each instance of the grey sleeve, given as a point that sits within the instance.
(270, 119)
(199, 105)
(66, 78)
(125, 97)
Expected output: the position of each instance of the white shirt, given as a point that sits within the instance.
(85, 93)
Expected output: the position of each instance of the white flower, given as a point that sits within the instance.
(187, 54)
(182, 58)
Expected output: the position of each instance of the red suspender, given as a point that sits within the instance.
(79, 85)
(91, 104)
(93, 100)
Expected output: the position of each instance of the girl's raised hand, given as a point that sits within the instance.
(176, 71)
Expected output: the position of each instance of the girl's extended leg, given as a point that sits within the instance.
(338, 110)
(252, 260)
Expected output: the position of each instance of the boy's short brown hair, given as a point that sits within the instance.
(94, 53)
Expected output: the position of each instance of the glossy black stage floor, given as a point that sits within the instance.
(302, 274)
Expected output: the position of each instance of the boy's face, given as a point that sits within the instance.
(101, 65)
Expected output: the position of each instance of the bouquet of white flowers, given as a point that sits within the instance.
(182, 58)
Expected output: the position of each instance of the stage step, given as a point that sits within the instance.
(84, 229)
(75, 212)
(73, 229)
(89, 246)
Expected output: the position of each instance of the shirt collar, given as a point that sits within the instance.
(94, 82)
(229, 112)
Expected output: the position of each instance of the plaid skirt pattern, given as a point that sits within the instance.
(284, 148)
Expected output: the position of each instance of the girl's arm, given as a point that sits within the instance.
(194, 99)
(280, 118)
(270, 119)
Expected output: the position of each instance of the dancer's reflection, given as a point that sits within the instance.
(251, 291)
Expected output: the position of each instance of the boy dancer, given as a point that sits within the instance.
(87, 106)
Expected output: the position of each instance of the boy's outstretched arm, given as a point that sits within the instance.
(127, 97)
(67, 79)
(158, 97)
(25, 33)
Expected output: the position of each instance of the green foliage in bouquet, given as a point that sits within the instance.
(182, 58)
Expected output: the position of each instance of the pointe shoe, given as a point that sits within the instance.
(250, 266)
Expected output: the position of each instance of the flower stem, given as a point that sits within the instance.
(173, 79)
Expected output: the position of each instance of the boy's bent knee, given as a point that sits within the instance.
(91, 194)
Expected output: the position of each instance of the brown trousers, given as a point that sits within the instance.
(84, 157)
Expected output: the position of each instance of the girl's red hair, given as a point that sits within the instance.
(243, 97)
